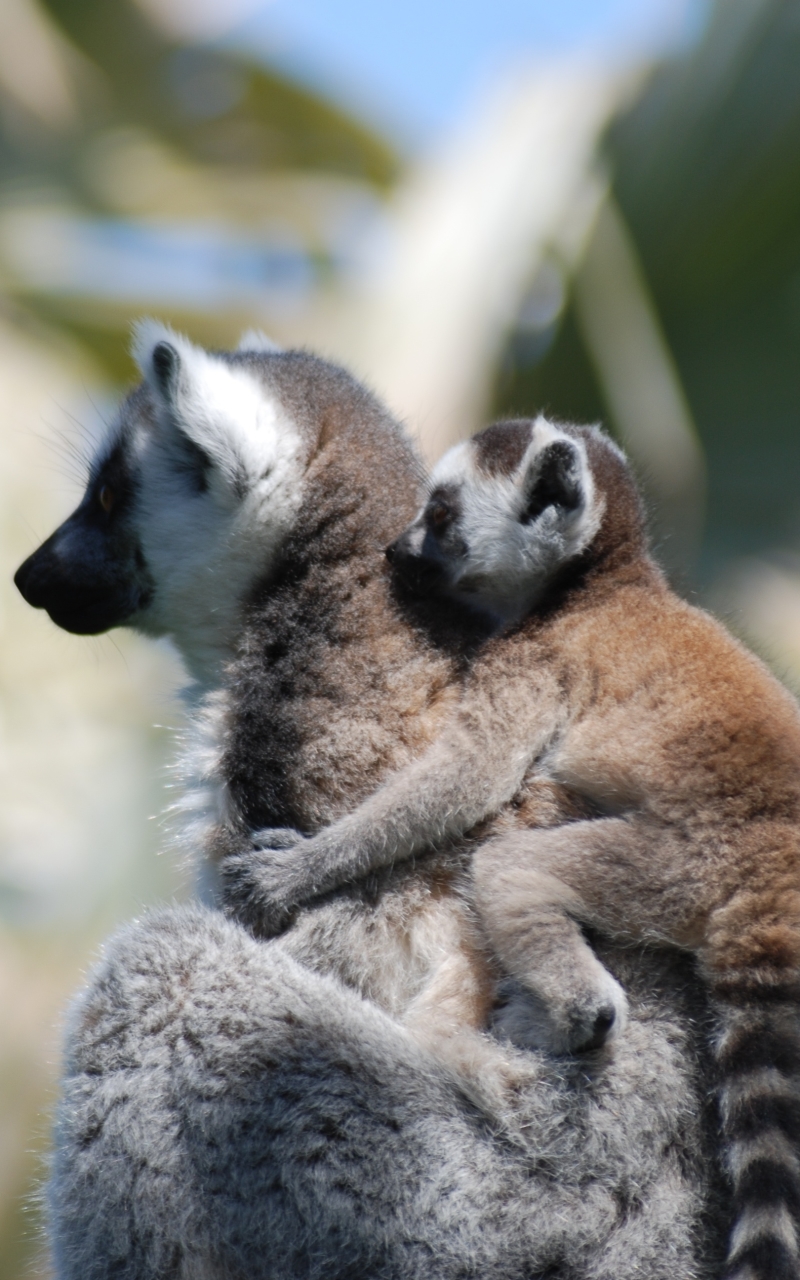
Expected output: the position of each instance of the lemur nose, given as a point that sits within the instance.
(391, 552)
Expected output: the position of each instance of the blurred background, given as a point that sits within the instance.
(590, 208)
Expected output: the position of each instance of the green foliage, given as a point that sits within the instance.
(706, 169)
(213, 105)
(224, 117)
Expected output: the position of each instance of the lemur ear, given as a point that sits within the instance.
(209, 409)
(554, 478)
(165, 361)
(164, 358)
(166, 365)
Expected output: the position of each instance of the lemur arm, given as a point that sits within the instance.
(474, 768)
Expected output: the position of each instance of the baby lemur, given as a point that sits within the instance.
(682, 747)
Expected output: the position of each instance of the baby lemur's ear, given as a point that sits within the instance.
(556, 476)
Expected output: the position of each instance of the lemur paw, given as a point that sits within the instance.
(579, 1021)
(593, 1017)
(257, 888)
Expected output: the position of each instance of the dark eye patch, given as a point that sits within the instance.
(112, 486)
(439, 514)
(442, 509)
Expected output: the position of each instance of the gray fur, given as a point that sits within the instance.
(230, 1108)
(226, 1112)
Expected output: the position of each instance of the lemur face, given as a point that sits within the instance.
(90, 575)
(187, 501)
(506, 510)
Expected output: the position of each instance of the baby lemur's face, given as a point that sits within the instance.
(506, 510)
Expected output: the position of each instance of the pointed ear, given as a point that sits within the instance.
(166, 365)
(161, 354)
(556, 476)
(211, 410)
(162, 357)
(257, 340)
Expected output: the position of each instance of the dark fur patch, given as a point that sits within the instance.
(741, 992)
(192, 462)
(767, 1257)
(623, 526)
(768, 1182)
(165, 364)
(751, 1116)
(116, 472)
(444, 495)
(761, 1045)
(556, 481)
(500, 448)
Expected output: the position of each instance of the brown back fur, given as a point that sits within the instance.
(690, 751)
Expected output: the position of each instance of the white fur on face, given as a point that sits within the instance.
(509, 561)
(206, 547)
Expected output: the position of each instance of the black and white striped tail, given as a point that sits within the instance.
(758, 1055)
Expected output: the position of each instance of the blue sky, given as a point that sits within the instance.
(413, 66)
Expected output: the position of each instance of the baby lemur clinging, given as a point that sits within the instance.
(600, 679)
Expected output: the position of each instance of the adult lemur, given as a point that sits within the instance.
(687, 750)
(229, 1108)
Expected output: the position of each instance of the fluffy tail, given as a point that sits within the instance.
(758, 1055)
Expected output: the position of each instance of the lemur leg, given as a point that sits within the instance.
(533, 889)
(459, 994)
(449, 1018)
(227, 1112)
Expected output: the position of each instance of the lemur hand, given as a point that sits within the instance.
(262, 885)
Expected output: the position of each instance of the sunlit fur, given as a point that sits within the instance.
(232, 1106)
(684, 752)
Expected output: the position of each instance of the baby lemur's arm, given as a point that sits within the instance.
(504, 720)
(506, 511)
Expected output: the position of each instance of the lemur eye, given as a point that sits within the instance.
(106, 498)
(439, 514)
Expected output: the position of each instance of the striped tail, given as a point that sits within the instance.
(758, 1056)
